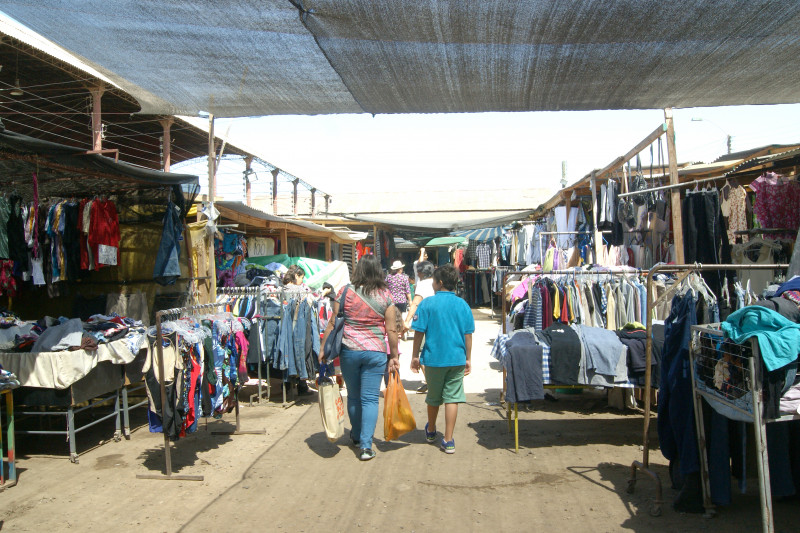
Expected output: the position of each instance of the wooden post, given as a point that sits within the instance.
(294, 195)
(328, 251)
(675, 194)
(97, 119)
(275, 191)
(284, 241)
(167, 141)
(327, 202)
(375, 241)
(598, 237)
(212, 165)
(313, 191)
(248, 161)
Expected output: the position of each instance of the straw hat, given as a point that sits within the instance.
(397, 265)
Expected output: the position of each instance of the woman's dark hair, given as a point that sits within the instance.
(368, 275)
(425, 269)
(290, 277)
(331, 293)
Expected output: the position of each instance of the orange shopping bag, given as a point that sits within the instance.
(397, 416)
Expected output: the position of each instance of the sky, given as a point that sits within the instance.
(479, 151)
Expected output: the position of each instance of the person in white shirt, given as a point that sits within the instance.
(423, 270)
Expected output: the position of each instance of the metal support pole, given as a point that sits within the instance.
(163, 386)
(275, 173)
(248, 193)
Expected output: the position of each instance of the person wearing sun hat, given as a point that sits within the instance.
(399, 285)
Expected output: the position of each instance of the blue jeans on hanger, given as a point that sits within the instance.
(362, 372)
(676, 426)
(271, 309)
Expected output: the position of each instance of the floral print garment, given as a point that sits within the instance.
(777, 203)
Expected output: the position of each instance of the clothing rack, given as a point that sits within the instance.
(671, 186)
(757, 231)
(683, 272)
(253, 291)
(178, 312)
(475, 271)
(609, 271)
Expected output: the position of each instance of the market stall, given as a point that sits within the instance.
(97, 240)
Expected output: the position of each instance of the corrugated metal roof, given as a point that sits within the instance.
(238, 207)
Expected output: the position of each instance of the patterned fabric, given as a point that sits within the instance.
(399, 286)
(777, 203)
(735, 208)
(364, 324)
(471, 248)
(484, 253)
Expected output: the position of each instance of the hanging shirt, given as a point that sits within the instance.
(777, 203)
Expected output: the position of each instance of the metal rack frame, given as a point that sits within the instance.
(611, 271)
(253, 291)
(752, 376)
(178, 312)
(683, 272)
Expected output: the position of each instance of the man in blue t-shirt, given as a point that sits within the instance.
(445, 322)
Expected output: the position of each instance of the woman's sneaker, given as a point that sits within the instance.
(449, 447)
(366, 454)
(430, 436)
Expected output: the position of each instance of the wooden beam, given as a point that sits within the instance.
(166, 142)
(212, 164)
(644, 143)
(675, 194)
(328, 249)
(284, 242)
(97, 119)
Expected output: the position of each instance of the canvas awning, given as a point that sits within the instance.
(480, 234)
(403, 56)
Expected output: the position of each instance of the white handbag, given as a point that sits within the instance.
(331, 407)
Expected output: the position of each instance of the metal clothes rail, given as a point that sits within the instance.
(652, 303)
(609, 271)
(178, 312)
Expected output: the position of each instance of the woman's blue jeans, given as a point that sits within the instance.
(362, 372)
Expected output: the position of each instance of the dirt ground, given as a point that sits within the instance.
(571, 474)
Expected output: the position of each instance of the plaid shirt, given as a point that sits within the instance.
(484, 253)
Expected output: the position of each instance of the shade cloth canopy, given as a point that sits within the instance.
(481, 234)
(402, 56)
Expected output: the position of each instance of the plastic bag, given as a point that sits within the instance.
(397, 416)
(331, 407)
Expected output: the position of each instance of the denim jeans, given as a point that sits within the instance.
(167, 269)
(362, 372)
(272, 312)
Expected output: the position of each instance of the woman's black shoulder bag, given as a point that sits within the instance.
(333, 343)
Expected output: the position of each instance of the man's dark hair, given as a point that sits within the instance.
(368, 274)
(424, 269)
(447, 275)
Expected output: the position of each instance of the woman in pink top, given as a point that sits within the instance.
(370, 316)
